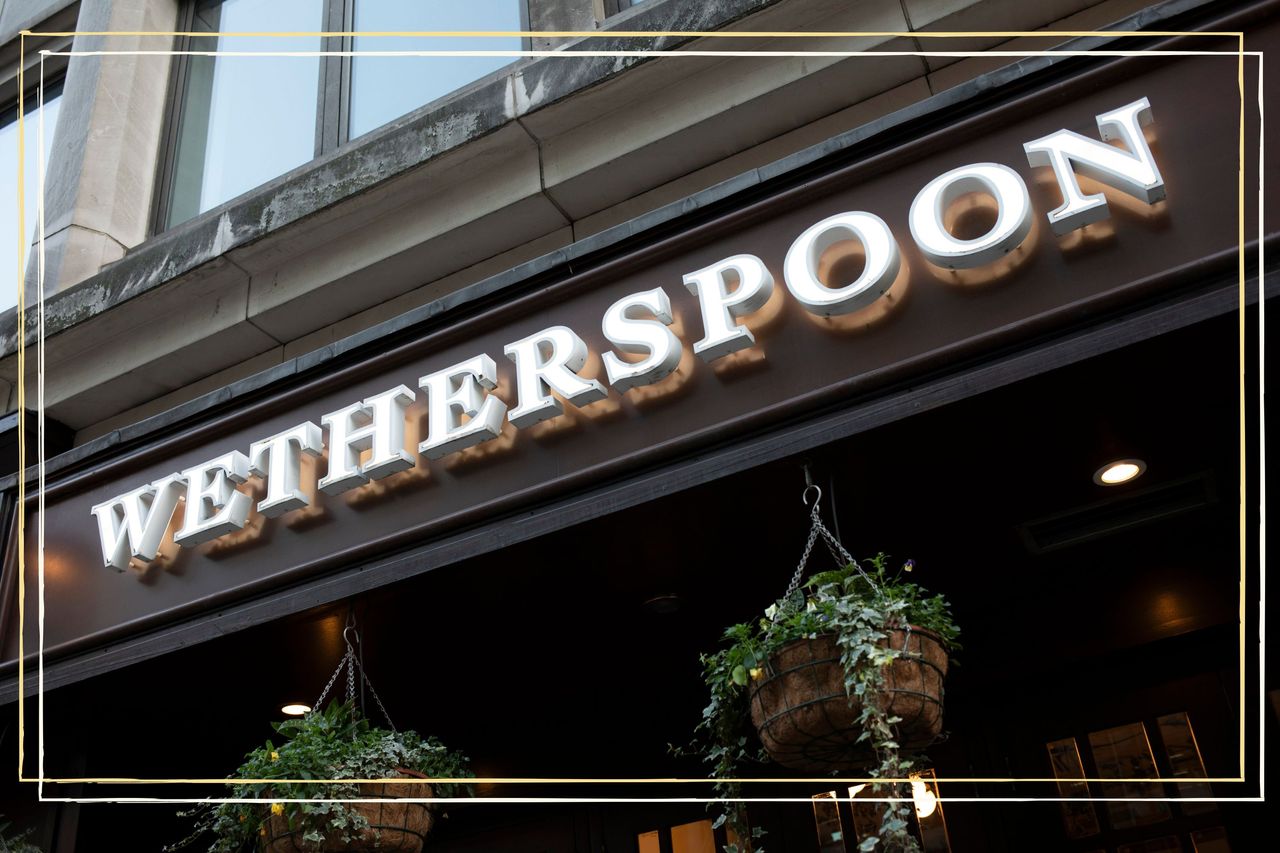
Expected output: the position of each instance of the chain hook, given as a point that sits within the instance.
(816, 530)
(352, 663)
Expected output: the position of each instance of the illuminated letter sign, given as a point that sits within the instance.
(457, 391)
(1013, 221)
(366, 440)
(1133, 171)
(626, 328)
(883, 260)
(132, 525)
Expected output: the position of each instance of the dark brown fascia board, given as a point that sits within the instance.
(958, 380)
(880, 134)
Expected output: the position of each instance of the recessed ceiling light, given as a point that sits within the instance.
(296, 709)
(1120, 471)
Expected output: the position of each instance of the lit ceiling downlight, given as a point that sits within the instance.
(1120, 471)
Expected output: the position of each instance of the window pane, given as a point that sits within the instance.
(245, 119)
(648, 842)
(1212, 840)
(1124, 753)
(9, 272)
(1080, 819)
(384, 88)
(826, 814)
(694, 837)
(1185, 761)
(621, 5)
(928, 809)
(866, 815)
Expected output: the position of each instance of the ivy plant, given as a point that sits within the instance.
(15, 843)
(334, 743)
(859, 604)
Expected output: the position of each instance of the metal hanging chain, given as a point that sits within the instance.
(359, 662)
(816, 529)
(323, 693)
(352, 663)
(351, 666)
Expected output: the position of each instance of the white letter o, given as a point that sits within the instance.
(1013, 223)
(883, 260)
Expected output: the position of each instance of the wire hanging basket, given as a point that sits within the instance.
(807, 722)
(802, 712)
(393, 827)
(401, 827)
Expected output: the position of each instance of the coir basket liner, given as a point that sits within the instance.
(400, 827)
(807, 722)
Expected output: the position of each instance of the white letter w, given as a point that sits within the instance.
(132, 525)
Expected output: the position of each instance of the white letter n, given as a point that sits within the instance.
(1133, 171)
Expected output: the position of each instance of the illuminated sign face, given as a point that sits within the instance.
(366, 440)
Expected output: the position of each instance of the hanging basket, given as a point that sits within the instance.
(401, 827)
(807, 722)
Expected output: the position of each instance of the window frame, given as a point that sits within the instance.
(333, 96)
(1179, 823)
(617, 7)
(54, 86)
(55, 79)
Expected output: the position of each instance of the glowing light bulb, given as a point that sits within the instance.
(1120, 471)
(295, 709)
(925, 801)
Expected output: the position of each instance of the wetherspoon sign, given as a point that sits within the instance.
(999, 228)
(366, 439)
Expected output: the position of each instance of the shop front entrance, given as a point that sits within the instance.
(1099, 633)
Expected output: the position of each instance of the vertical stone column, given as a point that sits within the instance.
(103, 166)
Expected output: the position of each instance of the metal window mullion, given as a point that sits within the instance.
(329, 92)
(166, 160)
(348, 23)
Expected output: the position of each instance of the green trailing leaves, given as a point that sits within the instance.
(15, 843)
(859, 604)
(334, 743)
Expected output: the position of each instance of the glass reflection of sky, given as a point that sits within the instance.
(262, 109)
(9, 273)
(384, 88)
